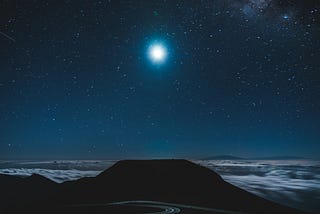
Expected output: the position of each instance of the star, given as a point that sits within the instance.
(157, 53)
(285, 17)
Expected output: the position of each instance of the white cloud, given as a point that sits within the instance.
(295, 183)
(58, 176)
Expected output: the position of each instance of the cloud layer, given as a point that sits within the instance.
(293, 183)
(58, 176)
(58, 171)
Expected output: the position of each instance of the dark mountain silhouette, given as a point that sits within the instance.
(172, 181)
(21, 192)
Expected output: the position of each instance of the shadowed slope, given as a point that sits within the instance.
(20, 192)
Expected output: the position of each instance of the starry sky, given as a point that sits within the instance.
(240, 77)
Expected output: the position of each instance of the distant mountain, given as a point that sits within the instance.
(230, 157)
(186, 185)
(223, 157)
(280, 158)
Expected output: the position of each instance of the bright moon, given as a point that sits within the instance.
(157, 53)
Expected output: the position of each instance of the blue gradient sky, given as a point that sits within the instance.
(240, 77)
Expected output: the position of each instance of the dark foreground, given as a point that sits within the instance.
(134, 186)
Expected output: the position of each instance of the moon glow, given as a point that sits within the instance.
(157, 53)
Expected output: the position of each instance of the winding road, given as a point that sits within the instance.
(171, 207)
(166, 208)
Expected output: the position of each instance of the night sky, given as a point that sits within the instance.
(80, 79)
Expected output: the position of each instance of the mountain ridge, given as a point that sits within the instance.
(171, 181)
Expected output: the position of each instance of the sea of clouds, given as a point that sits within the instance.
(58, 171)
(295, 183)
